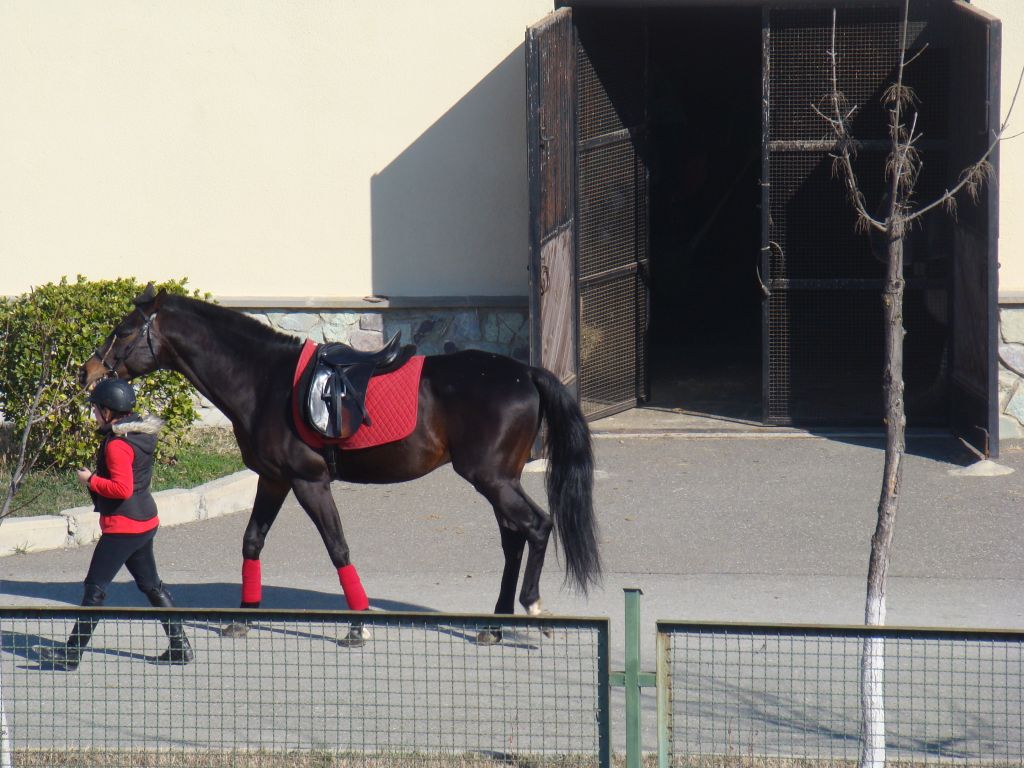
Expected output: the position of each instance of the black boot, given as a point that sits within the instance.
(178, 649)
(67, 656)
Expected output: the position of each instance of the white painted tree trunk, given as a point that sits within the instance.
(872, 698)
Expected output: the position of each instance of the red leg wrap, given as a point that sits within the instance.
(355, 595)
(252, 583)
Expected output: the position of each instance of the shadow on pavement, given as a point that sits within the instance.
(203, 595)
(937, 447)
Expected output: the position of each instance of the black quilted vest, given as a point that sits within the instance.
(140, 505)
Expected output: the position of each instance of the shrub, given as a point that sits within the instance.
(47, 334)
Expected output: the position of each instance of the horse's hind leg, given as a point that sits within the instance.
(521, 522)
(269, 498)
(513, 543)
(537, 524)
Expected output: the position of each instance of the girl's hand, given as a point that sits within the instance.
(84, 476)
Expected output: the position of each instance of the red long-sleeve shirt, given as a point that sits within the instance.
(120, 457)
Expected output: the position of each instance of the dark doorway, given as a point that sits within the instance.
(690, 248)
(705, 163)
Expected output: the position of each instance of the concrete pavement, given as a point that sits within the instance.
(718, 528)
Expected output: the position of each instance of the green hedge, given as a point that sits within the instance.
(64, 323)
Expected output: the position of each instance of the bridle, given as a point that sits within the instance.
(146, 330)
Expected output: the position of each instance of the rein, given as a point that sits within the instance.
(145, 329)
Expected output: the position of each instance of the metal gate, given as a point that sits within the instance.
(551, 162)
(822, 329)
(589, 242)
(974, 84)
(612, 205)
(823, 315)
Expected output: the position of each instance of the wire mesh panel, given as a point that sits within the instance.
(781, 696)
(609, 211)
(423, 690)
(824, 362)
(608, 342)
(611, 208)
(840, 331)
(867, 47)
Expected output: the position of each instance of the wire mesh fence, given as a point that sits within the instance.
(780, 696)
(424, 690)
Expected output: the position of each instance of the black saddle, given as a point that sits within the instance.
(335, 403)
(342, 355)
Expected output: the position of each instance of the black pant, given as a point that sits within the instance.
(133, 550)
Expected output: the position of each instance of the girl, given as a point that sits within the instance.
(128, 520)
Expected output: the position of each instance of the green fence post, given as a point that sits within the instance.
(664, 692)
(633, 714)
(604, 706)
(632, 679)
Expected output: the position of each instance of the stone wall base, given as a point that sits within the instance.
(1011, 372)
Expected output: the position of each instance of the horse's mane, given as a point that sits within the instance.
(232, 321)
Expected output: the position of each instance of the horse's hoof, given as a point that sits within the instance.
(488, 637)
(235, 629)
(536, 610)
(356, 637)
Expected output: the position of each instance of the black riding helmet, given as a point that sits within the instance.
(115, 394)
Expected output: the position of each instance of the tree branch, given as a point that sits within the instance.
(846, 146)
(980, 169)
(27, 456)
(24, 462)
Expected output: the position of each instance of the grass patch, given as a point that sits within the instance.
(94, 758)
(206, 454)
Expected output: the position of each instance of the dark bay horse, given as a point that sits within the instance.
(477, 410)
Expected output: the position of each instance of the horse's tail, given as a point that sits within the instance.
(570, 480)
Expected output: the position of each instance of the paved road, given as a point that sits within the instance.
(770, 529)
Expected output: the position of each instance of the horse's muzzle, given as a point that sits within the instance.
(92, 370)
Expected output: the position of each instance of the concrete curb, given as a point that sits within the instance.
(80, 525)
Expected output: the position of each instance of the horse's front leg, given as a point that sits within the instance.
(316, 499)
(270, 495)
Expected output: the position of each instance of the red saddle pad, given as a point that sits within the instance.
(392, 401)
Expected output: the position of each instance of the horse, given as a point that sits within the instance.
(480, 411)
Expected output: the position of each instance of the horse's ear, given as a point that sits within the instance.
(146, 297)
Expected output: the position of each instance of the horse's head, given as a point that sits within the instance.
(131, 349)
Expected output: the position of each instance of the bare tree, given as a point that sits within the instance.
(31, 444)
(23, 460)
(898, 215)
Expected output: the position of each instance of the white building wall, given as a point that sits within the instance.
(1011, 157)
(320, 148)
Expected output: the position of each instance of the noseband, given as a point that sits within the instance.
(146, 330)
